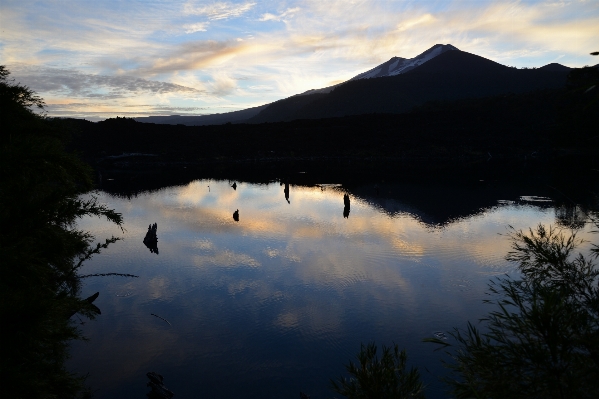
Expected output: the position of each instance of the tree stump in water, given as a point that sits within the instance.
(151, 238)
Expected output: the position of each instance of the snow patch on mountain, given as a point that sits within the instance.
(397, 65)
(393, 65)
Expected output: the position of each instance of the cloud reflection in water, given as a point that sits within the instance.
(281, 299)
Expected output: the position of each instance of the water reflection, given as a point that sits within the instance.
(571, 216)
(279, 303)
(286, 191)
(151, 239)
(444, 203)
(345, 205)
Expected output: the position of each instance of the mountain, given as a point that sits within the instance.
(441, 73)
(397, 65)
(199, 120)
(451, 75)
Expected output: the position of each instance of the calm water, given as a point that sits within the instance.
(279, 301)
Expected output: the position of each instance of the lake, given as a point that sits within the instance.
(278, 301)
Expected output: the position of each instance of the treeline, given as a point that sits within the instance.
(549, 124)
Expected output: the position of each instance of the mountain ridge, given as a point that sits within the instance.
(199, 120)
(452, 75)
(394, 66)
(456, 76)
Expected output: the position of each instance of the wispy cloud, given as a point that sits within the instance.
(412, 23)
(222, 85)
(74, 84)
(261, 88)
(272, 17)
(218, 10)
(197, 27)
(193, 55)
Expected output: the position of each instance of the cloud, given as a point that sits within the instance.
(170, 110)
(197, 27)
(222, 85)
(219, 10)
(191, 55)
(95, 110)
(213, 56)
(413, 22)
(272, 17)
(261, 88)
(72, 83)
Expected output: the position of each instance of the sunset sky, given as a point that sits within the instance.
(99, 59)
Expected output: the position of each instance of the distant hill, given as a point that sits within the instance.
(200, 120)
(452, 75)
(555, 67)
(507, 126)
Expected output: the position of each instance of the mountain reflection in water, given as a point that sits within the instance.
(279, 302)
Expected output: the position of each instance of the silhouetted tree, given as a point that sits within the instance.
(542, 341)
(41, 251)
(384, 378)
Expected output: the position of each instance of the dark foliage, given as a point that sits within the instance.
(459, 130)
(542, 341)
(380, 378)
(40, 250)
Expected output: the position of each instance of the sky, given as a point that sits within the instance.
(106, 58)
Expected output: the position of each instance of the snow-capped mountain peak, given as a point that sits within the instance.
(398, 65)
(395, 66)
